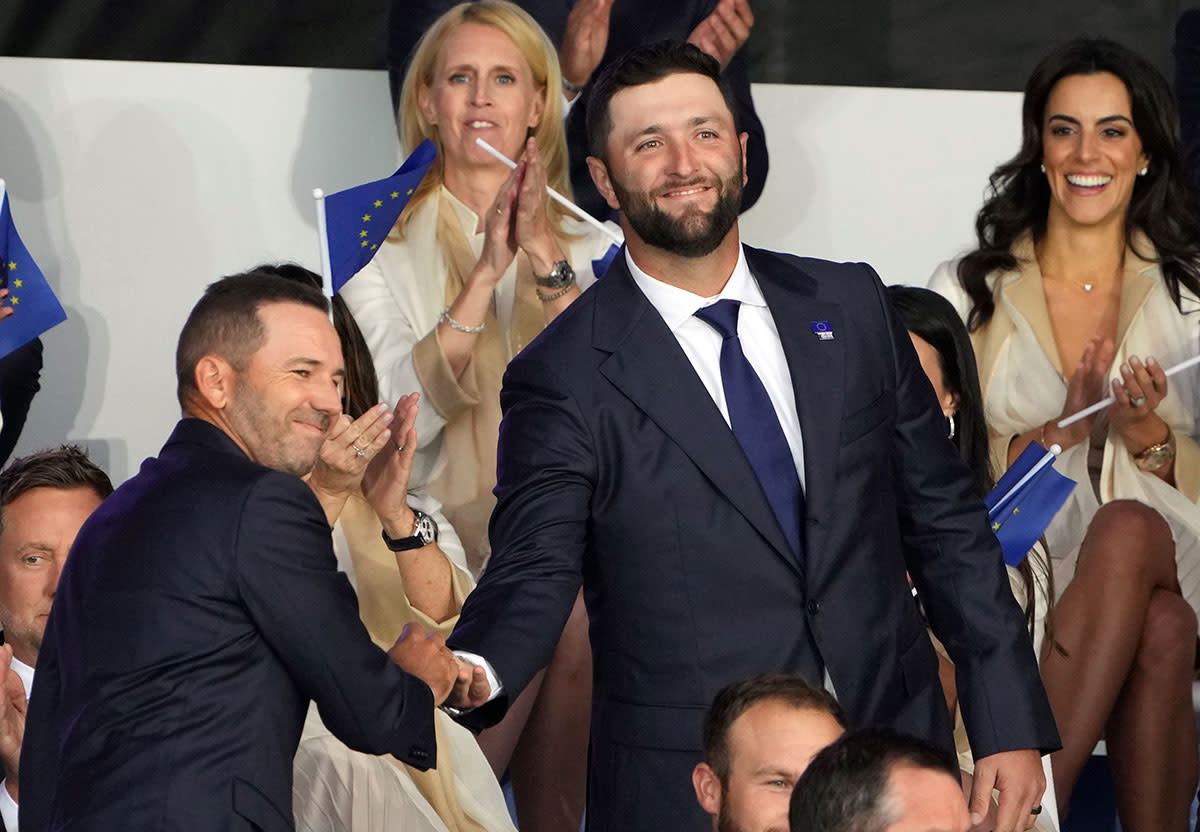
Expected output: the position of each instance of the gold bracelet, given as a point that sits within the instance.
(1042, 436)
(453, 324)
(555, 295)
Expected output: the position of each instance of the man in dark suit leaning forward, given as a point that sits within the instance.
(201, 607)
(737, 453)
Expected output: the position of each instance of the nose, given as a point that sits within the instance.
(682, 159)
(327, 399)
(480, 92)
(52, 577)
(1089, 146)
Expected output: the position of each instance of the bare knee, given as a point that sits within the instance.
(1168, 642)
(1130, 540)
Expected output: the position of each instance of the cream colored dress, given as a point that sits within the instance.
(1023, 387)
(337, 789)
(397, 300)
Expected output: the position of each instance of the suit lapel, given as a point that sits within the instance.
(817, 371)
(649, 367)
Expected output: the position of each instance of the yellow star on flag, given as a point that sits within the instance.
(410, 190)
(364, 244)
(396, 194)
(373, 247)
(18, 283)
(11, 266)
(362, 233)
(378, 203)
(366, 217)
(15, 301)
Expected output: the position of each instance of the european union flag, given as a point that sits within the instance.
(358, 219)
(35, 308)
(600, 266)
(1025, 500)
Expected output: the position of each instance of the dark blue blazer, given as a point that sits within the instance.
(617, 471)
(199, 611)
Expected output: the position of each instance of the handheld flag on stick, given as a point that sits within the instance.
(354, 222)
(599, 267)
(35, 308)
(1026, 499)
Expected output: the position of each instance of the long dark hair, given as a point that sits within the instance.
(934, 319)
(1019, 196)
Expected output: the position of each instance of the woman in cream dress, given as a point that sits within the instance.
(1086, 282)
(479, 262)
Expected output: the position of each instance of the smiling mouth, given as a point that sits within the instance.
(480, 124)
(1089, 181)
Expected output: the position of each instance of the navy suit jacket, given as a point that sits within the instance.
(617, 470)
(199, 611)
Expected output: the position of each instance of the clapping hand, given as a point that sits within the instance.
(348, 448)
(585, 39)
(723, 32)
(1086, 387)
(12, 719)
(1141, 388)
(5, 309)
(385, 482)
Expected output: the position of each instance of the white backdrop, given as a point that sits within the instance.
(136, 184)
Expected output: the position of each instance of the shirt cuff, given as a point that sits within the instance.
(493, 680)
(8, 806)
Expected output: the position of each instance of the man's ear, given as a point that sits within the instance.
(599, 172)
(744, 138)
(708, 788)
(215, 381)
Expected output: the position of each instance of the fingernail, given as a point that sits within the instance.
(382, 407)
(976, 818)
(1135, 362)
(387, 418)
(1151, 361)
(1125, 369)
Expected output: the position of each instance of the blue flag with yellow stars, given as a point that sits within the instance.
(1020, 518)
(34, 307)
(358, 219)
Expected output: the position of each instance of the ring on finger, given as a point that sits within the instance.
(1137, 401)
(1036, 810)
(399, 447)
(499, 209)
(359, 451)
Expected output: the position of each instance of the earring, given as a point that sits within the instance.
(950, 420)
(1144, 171)
(1043, 167)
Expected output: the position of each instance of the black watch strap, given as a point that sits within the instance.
(426, 532)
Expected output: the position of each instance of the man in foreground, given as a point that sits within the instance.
(759, 737)
(738, 455)
(877, 781)
(201, 608)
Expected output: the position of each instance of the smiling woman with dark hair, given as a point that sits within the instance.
(1085, 282)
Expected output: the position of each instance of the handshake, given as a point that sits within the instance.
(453, 681)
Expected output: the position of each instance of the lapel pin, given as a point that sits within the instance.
(822, 330)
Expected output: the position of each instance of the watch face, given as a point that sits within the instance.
(426, 530)
(563, 275)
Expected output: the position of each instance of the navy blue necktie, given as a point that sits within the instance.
(756, 425)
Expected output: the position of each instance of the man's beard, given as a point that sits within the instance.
(695, 234)
(726, 823)
(251, 417)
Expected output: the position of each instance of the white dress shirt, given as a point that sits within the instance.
(702, 346)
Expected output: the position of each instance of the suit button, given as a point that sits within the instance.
(814, 607)
(419, 754)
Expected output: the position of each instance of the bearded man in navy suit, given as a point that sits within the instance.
(737, 454)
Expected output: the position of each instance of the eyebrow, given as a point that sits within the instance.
(471, 67)
(695, 121)
(313, 362)
(1105, 120)
(775, 771)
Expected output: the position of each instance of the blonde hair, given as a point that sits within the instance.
(539, 53)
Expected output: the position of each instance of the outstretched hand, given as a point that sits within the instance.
(1021, 781)
(425, 655)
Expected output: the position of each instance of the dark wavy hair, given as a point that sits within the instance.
(1019, 196)
(934, 319)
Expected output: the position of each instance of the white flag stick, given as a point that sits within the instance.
(3, 192)
(557, 197)
(1105, 402)
(326, 268)
(1053, 451)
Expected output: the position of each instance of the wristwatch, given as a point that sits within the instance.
(425, 532)
(560, 276)
(1156, 456)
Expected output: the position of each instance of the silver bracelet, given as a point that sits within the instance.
(453, 324)
(554, 295)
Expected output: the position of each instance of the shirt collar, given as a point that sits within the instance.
(25, 672)
(677, 306)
